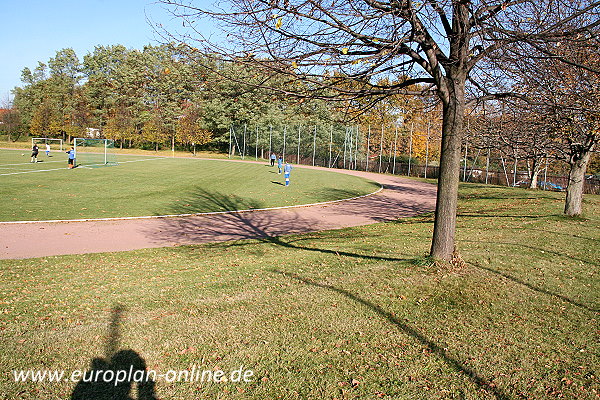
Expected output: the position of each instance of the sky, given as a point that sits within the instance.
(34, 30)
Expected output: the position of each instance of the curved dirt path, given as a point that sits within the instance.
(400, 197)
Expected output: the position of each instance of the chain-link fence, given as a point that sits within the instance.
(398, 150)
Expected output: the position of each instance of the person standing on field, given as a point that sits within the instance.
(34, 153)
(280, 163)
(273, 158)
(71, 154)
(286, 173)
(47, 149)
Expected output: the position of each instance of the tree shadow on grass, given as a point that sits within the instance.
(436, 349)
(268, 226)
(488, 192)
(115, 376)
(529, 247)
(504, 196)
(536, 288)
(485, 214)
(548, 231)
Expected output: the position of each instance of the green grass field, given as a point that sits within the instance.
(141, 186)
(347, 314)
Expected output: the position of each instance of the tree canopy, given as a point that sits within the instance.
(343, 49)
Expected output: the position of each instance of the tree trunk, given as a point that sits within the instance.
(534, 179)
(444, 229)
(574, 197)
(534, 172)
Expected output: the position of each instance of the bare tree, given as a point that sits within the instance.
(341, 49)
(564, 100)
(524, 136)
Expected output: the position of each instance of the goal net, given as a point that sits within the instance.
(94, 152)
(55, 144)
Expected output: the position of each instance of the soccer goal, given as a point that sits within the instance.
(44, 141)
(94, 152)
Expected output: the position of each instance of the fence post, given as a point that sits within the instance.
(314, 145)
(356, 149)
(230, 128)
(298, 156)
(270, 140)
(284, 133)
(515, 167)
(345, 141)
(350, 131)
(546, 174)
(381, 148)
(330, 143)
(368, 148)
(244, 149)
(395, 148)
(465, 166)
(487, 166)
(412, 127)
(427, 150)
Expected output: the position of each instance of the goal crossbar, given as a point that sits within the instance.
(98, 151)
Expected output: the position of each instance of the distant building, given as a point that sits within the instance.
(92, 133)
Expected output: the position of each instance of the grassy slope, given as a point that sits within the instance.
(346, 314)
(161, 186)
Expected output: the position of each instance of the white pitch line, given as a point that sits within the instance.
(14, 168)
(26, 163)
(192, 214)
(83, 166)
(29, 172)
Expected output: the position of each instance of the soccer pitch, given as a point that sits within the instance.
(152, 186)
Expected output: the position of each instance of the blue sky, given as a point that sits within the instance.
(35, 30)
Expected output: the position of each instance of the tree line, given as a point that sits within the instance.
(163, 95)
(144, 98)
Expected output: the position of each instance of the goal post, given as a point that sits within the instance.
(45, 141)
(94, 152)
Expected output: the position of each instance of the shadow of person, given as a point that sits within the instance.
(115, 376)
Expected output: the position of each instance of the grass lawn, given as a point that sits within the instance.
(347, 314)
(141, 186)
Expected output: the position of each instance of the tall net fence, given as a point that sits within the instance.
(399, 150)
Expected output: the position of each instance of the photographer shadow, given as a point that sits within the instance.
(115, 376)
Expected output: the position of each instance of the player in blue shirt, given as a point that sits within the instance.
(273, 158)
(71, 154)
(286, 173)
(280, 163)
